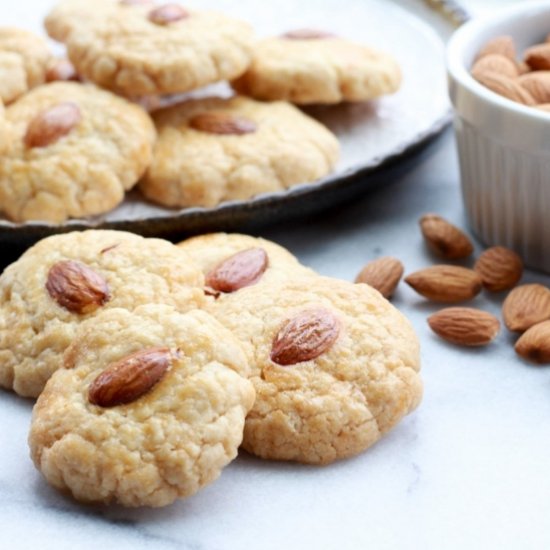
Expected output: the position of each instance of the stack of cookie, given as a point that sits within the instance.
(153, 363)
(72, 149)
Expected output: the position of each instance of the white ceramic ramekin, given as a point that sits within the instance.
(504, 147)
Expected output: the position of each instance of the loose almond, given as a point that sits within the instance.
(382, 274)
(499, 268)
(538, 57)
(444, 238)
(501, 45)
(222, 124)
(495, 63)
(305, 337)
(52, 124)
(77, 287)
(446, 283)
(307, 34)
(244, 268)
(506, 87)
(538, 85)
(526, 306)
(465, 326)
(167, 14)
(130, 378)
(534, 344)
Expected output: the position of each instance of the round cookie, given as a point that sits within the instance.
(334, 365)
(307, 67)
(167, 439)
(74, 151)
(214, 150)
(145, 49)
(23, 61)
(44, 296)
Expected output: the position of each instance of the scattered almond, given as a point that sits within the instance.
(222, 123)
(167, 14)
(130, 378)
(534, 344)
(506, 87)
(465, 326)
(382, 274)
(444, 238)
(538, 57)
(446, 283)
(526, 306)
(495, 63)
(499, 268)
(501, 45)
(538, 85)
(52, 124)
(305, 337)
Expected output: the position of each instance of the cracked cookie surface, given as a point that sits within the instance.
(281, 147)
(84, 172)
(37, 325)
(167, 443)
(312, 70)
(339, 403)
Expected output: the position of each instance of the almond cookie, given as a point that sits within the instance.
(74, 151)
(23, 61)
(307, 66)
(335, 366)
(214, 150)
(145, 49)
(150, 409)
(66, 279)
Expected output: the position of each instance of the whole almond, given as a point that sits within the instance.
(382, 274)
(61, 70)
(499, 268)
(307, 34)
(77, 287)
(525, 306)
(130, 378)
(222, 123)
(52, 124)
(506, 87)
(534, 344)
(538, 85)
(538, 57)
(465, 326)
(305, 337)
(444, 238)
(167, 14)
(523, 68)
(502, 45)
(446, 283)
(242, 269)
(495, 63)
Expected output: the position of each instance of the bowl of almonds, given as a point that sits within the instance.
(499, 83)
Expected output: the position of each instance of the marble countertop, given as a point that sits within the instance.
(468, 469)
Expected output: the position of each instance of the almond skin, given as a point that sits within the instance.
(534, 344)
(465, 326)
(446, 283)
(538, 85)
(167, 14)
(222, 124)
(307, 34)
(502, 45)
(305, 337)
(77, 287)
(526, 306)
(52, 124)
(382, 274)
(444, 238)
(506, 87)
(495, 63)
(244, 268)
(499, 268)
(538, 57)
(130, 378)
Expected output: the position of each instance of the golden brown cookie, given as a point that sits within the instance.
(334, 364)
(23, 61)
(214, 150)
(143, 49)
(74, 151)
(307, 66)
(64, 280)
(150, 409)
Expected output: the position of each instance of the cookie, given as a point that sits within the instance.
(335, 366)
(231, 261)
(307, 66)
(214, 150)
(150, 409)
(66, 279)
(145, 49)
(23, 62)
(74, 151)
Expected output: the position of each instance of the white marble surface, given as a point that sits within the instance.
(467, 470)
